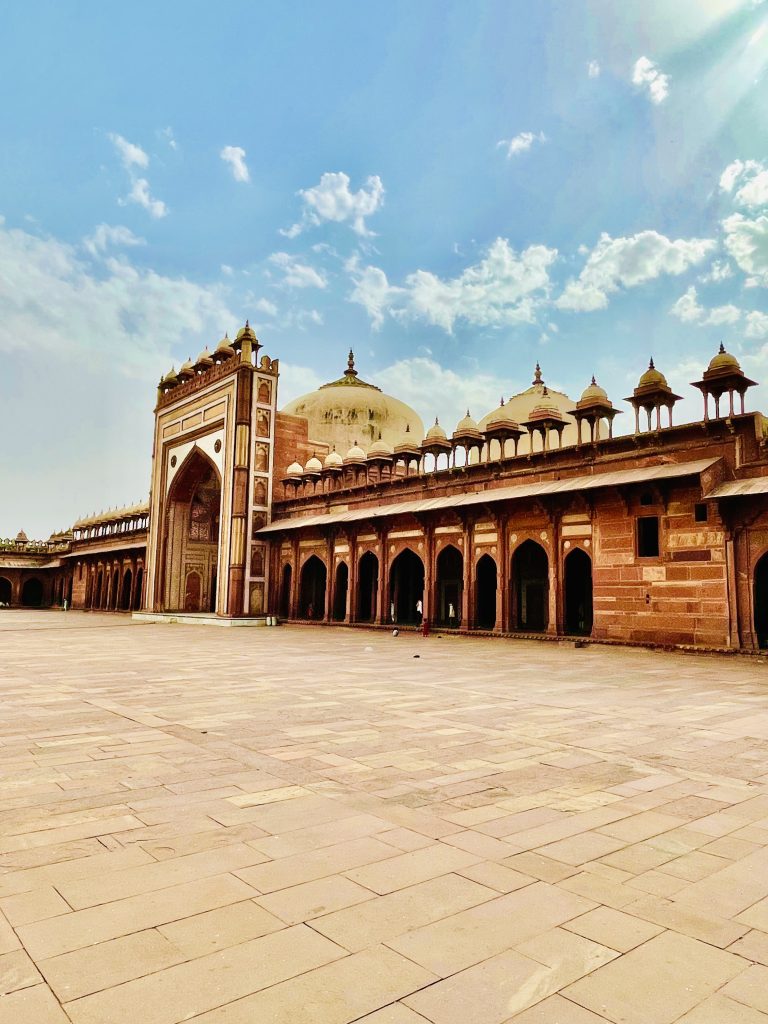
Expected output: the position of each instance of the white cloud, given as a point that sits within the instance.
(235, 157)
(688, 310)
(503, 288)
(167, 134)
(265, 306)
(757, 325)
(141, 195)
(297, 274)
(130, 154)
(331, 200)
(753, 178)
(133, 156)
(593, 69)
(102, 337)
(720, 270)
(520, 143)
(628, 262)
(106, 235)
(747, 242)
(647, 74)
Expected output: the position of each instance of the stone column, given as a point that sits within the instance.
(351, 612)
(295, 579)
(382, 595)
(554, 624)
(503, 572)
(466, 591)
(330, 581)
(239, 542)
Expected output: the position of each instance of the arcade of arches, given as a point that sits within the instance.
(451, 595)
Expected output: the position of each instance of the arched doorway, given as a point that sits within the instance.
(578, 593)
(530, 588)
(367, 587)
(191, 540)
(137, 591)
(193, 589)
(314, 577)
(486, 582)
(761, 601)
(284, 604)
(32, 593)
(6, 591)
(340, 592)
(450, 573)
(125, 597)
(406, 588)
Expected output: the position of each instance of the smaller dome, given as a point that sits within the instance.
(466, 425)
(224, 349)
(333, 460)
(652, 378)
(295, 469)
(502, 417)
(170, 378)
(594, 393)
(314, 465)
(204, 360)
(436, 433)
(186, 369)
(355, 454)
(245, 332)
(724, 361)
(380, 450)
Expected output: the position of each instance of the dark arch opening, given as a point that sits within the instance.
(115, 589)
(485, 593)
(191, 536)
(314, 578)
(530, 588)
(406, 588)
(340, 592)
(367, 587)
(450, 583)
(284, 604)
(6, 591)
(761, 601)
(578, 593)
(137, 591)
(32, 593)
(99, 588)
(125, 597)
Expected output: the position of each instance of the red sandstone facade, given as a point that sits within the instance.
(655, 537)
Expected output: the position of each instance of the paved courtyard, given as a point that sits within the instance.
(320, 826)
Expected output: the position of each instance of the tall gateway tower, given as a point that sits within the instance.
(212, 462)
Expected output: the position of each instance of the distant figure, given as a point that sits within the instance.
(425, 627)
(310, 611)
(65, 604)
(419, 611)
(392, 612)
(451, 615)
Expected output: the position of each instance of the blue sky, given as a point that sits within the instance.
(454, 190)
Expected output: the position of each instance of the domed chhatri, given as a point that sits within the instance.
(223, 350)
(593, 407)
(521, 405)
(466, 425)
(354, 455)
(333, 460)
(380, 450)
(436, 432)
(652, 394)
(544, 419)
(724, 375)
(350, 409)
(204, 361)
(295, 470)
(186, 370)
(501, 426)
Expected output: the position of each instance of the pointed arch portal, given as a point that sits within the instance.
(406, 588)
(530, 588)
(578, 593)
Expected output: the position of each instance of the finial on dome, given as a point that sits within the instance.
(594, 382)
(722, 348)
(437, 422)
(351, 371)
(467, 412)
(246, 323)
(545, 391)
(501, 403)
(407, 428)
(537, 375)
(650, 364)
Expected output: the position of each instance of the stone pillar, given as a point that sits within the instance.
(382, 596)
(733, 601)
(502, 572)
(430, 598)
(465, 621)
(351, 612)
(330, 579)
(238, 542)
(295, 580)
(554, 624)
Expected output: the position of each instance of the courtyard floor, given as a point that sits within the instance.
(320, 826)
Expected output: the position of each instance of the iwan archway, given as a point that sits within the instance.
(406, 588)
(191, 537)
(530, 588)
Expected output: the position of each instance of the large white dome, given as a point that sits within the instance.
(350, 411)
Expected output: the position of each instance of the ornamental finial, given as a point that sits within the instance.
(351, 371)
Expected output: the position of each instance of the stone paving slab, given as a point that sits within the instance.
(316, 825)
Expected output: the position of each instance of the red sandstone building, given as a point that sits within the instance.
(340, 508)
